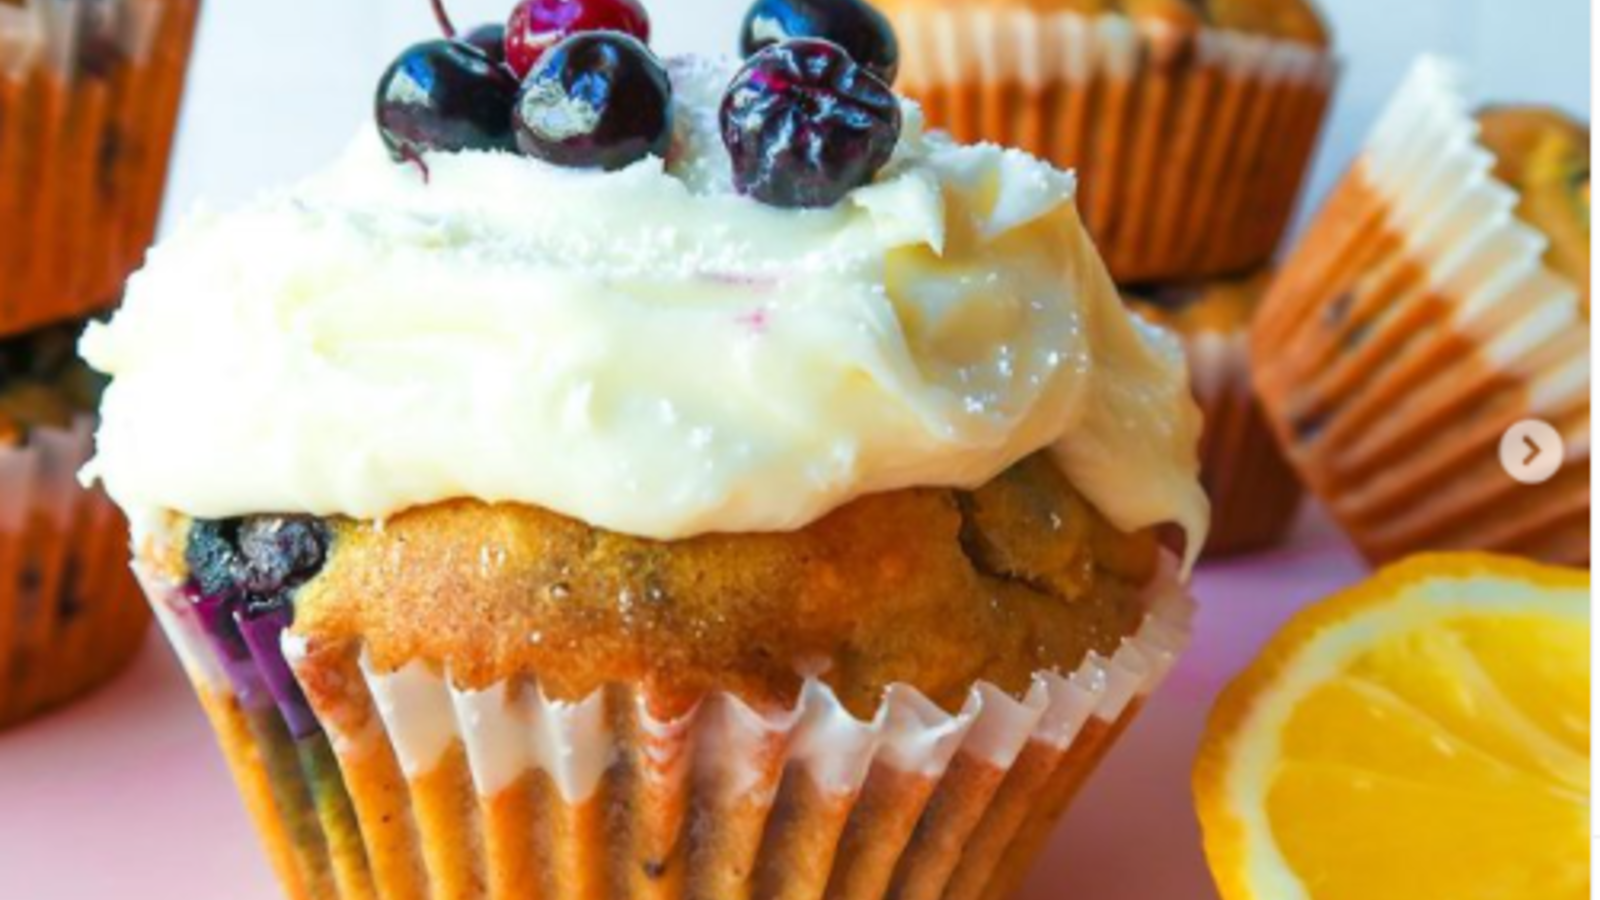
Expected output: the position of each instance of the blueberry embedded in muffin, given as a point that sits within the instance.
(931, 588)
(43, 383)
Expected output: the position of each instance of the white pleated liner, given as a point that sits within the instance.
(1460, 224)
(424, 715)
(959, 45)
(41, 476)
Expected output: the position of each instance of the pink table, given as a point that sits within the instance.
(124, 797)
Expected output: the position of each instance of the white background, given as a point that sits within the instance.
(279, 87)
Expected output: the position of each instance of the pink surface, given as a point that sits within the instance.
(124, 796)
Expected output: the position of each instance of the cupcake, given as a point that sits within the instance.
(89, 93)
(71, 615)
(1253, 490)
(1439, 299)
(721, 493)
(1191, 125)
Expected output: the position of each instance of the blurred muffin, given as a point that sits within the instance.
(1254, 492)
(70, 613)
(89, 94)
(1191, 125)
(527, 529)
(1432, 305)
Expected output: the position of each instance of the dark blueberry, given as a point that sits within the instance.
(281, 552)
(445, 95)
(860, 29)
(212, 555)
(256, 560)
(805, 125)
(491, 39)
(538, 25)
(599, 100)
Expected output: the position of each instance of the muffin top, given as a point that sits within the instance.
(43, 384)
(643, 350)
(932, 588)
(1544, 155)
(1293, 20)
(1223, 306)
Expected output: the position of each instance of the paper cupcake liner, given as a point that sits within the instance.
(1412, 327)
(1254, 491)
(1191, 147)
(71, 615)
(89, 93)
(404, 785)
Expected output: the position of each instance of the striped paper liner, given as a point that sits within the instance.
(1414, 324)
(89, 97)
(71, 615)
(1191, 147)
(412, 787)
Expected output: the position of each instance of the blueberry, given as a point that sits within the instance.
(281, 552)
(258, 560)
(445, 95)
(213, 558)
(861, 30)
(597, 100)
(805, 125)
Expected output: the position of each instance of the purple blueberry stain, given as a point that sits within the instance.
(243, 574)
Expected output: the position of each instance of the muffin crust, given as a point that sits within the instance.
(932, 588)
(1544, 155)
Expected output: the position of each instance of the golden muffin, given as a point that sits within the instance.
(70, 614)
(90, 94)
(1434, 304)
(1254, 492)
(1191, 125)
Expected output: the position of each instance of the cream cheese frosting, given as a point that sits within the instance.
(644, 350)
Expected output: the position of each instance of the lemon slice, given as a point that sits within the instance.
(1424, 736)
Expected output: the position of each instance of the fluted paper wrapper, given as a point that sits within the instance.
(412, 787)
(71, 615)
(1190, 146)
(89, 96)
(1413, 326)
(1254, 491)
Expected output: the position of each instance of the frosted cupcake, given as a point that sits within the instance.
(679, 487)
(1254, 491)
(1191, 125)
(89, 94)
(1438, 299)
(70, 613)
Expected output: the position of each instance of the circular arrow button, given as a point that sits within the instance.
(1531, 451)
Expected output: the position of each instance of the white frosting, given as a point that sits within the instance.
(643, 350)
(1459, 223)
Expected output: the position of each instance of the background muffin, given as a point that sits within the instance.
(1191, 125)
(70, 613)
(1431, 306)
(89, 92)
(1254, 492)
